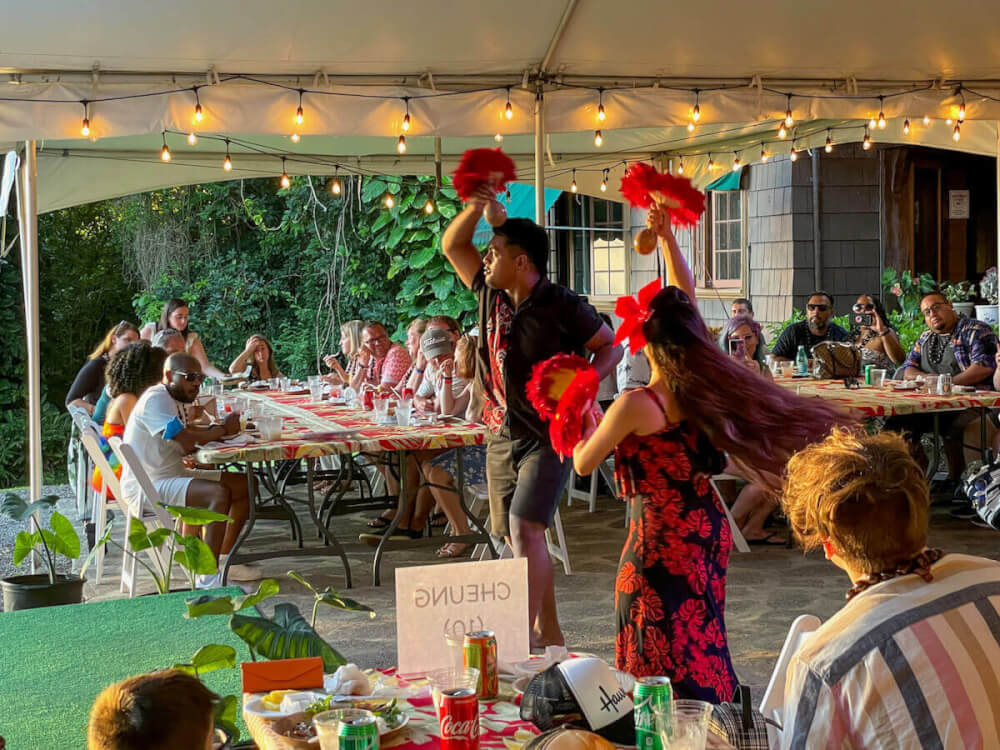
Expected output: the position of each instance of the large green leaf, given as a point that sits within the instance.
(225, 715)
(296, 576)
(372, 190)
(393, 187)
(23, 544)
(448, 210)
(443, 285)
(383, 218)
(140, 538)
(14, 506)
(210, 658)
(286, 636)
(195, 516)
(69, 540)
(196, 556)
(207, 604)
(58, 546)
(265, 590)
(422, 257)
(333, 599)
(395, 236)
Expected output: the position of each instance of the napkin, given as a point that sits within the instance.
(238, 439)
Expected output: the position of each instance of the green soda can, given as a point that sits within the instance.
(649, 692)
(346, 729)
(868, 374)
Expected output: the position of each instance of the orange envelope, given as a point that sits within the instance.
(282, 674)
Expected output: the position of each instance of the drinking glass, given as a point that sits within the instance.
(350, 396)
(455, 646)
(222, 406)
(315, 379)
(286, 384)
(403, 411)
(274, 384)
(688, 723)
(451, 678)
(878, 378)
(315, 390)
(381, 409)
(775, 366)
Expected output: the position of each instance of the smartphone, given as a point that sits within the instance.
(738, 348)
(864, 319)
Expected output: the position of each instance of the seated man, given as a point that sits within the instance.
(742, 306)
(382, 363)
(167, 710)
(169, 339)
(159, 433)
(423, 374)
(963, 348)
(901, 663)
(811, 331)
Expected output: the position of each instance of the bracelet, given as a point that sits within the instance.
(446, 379)
(417, 369)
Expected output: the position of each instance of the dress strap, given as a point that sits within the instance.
(659, 401)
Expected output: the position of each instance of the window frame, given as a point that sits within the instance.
(711, 248)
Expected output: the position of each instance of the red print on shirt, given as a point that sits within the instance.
(498, 340)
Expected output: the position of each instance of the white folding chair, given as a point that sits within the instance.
(603, 469)
(773, 702)
(109, 496)
(82, 468)
(148, 509)
(738, 541)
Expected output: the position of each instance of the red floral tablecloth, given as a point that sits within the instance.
(305, 421)
(877, 402)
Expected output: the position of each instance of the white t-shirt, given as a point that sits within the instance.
(459, 392)
(156, 419)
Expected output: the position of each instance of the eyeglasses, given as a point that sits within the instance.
(863, 308)
(191, 377)
(928, 311)
(817, 308)
(373, 339)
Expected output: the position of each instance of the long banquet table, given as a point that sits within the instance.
(311, 430)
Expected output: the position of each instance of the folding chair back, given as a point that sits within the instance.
(773, 702)
(739, 543)
(111, 492)
(77, 463)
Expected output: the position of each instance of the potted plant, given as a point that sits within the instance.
(49, 588)
(988, 291)
(960, 294)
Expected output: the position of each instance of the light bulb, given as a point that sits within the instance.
(604, 186)
(85, 127)
(286, 181)
(227, 164)
(165, 153)
(957, 132)
(335, 187)
(401, 144)
(406, 122)
(927, 120)
(389, 202)
(906, 126)
(696, 113)
(295, 137)
(782, 132)
(192, 139)
(711, 164)
(764, 155)
(429, 206)
(829, 145)
(788, 118)
(572, 185)
(508, 111)
(736, 163)
(949, 121)
(299, 115)
(598, 138)
(961, 112)
(690, 127)
(600, 112)
(867, 142)
(873, 123)
(680, 167)
(793, 154)
(498, 138)
(197, 113)
(881, 121)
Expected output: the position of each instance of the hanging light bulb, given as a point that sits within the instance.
(927, 120)
(711, 163)
(197, 105)
(788, 113)
(961, 107)
(829, 142)
(782, 131)
(335, 186)
(696, 112)
(227, 163)
(295, 137)
(508, 110)
(793, 154)
(498, 138)
(957, 132)
(85, 125)
(736, 162)
(165, 152)
(604, 181)
(286, 181)
(600, 105)
(764, 156)
(192, 139)
(906, 126)
(949, 121)
(389, 202)
(872, 124)
(299, 114)
(690, 127)
(867, 142)
(680, 166)
(881, 113)
(429, 206)
(401, 144)
(598, 138)
(572, 185)
(406, 116)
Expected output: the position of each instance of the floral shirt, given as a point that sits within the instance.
(972, 341)
(389, 369)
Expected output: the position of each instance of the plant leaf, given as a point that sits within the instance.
(372, 190)
(421, 257)
(105, 538)
(69, 540)
(56, 545)
(209, 604)
(395, 236)
(225, 715)
(298, 577)
(14, 506)
(442, 285)
(265, 590)
(138, 537)
(286, 636)
(195, 516)
(212, 657)
(196, 557)
(23, 544)
(332, 599)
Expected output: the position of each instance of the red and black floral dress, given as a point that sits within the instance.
(670, 592)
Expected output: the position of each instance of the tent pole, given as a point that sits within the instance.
(998, 194)
(27, 209)
(539, 158)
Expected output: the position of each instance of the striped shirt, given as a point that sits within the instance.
(905, 664)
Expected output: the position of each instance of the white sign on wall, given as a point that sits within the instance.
(434, 600)
(958, 204)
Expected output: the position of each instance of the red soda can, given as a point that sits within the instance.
(407, 393)
(480, 649)
(458, 713)
(368, 400)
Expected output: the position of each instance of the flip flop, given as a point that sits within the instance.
(453, 549)
(771, 540)
(379, 522)
(439, 521)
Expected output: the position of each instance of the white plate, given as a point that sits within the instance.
(256, 704)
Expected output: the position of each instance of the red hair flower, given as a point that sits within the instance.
(634, 312)
(562, 389)
(479, 166)
(643, 185)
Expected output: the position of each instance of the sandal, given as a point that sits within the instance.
(453, 549)
(771, 540)
(439, 520)
(379, 522)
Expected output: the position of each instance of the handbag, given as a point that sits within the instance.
(837, 360)
(739, 723)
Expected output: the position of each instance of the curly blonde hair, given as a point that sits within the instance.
(864, 493)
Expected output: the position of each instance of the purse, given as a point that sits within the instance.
(739, 723)
(837, 360)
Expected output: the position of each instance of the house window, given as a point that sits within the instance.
(727, 238)
(588, 236)
(609, 266)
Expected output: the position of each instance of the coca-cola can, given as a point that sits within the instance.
(458, 712)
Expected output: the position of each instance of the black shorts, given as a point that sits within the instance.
(525, 478)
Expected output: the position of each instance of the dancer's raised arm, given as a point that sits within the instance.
(678, 272)
(457, 240)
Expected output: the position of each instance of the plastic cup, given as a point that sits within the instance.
(315, 391)
(274, 384)
(451, 678)
(270, 427)
(286, 384)
(688, 724)
(381, 409)
(878, 378)
(403, 413)
(455, 645)
(315, 379)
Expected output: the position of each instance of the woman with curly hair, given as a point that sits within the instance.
(130, 372)
(669, 438)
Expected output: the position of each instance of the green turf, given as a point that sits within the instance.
(55, 660)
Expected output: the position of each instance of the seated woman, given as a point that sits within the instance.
(350, 347)
(89, 381)
(879, 341)
(911, 659)
(130, 372)
(744, 330)
(176, 315)
(258, 356)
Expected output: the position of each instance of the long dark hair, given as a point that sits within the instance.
(168, 310)
(758, 423)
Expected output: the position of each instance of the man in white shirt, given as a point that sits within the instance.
(424, 375)
(159, 433)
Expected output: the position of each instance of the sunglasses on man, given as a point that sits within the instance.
(191, 377)
(817, 308)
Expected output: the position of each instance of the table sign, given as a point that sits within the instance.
(432, 600)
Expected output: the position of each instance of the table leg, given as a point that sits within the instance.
(402, 509)
(935, 452)
(247, 527)
(327, 537)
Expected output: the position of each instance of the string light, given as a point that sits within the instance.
(498, 138)
(335, 187)
(872, 124)
(867, 142)
(604, 181)
(508, 110)
(572, 185)
(711, 163)
(906, 126)
(164, 152)
(881, 114)
(957, 132)
(227, 164)
(782, 131)
(406, 117)
(197, 105)
(696, 112)
(192, 139)
(763, 153)
(680, 166)
(85, 125)
(295, 137)
(736, 161)
(429, 206)
(793, 154)
(961, 107)
(829, 142)
(600, 105)
(299, 114)
(788, 113)
(690, 127)
(927, 120)
(286, 181)
(389, 202)
(401, 144)
(598, 138)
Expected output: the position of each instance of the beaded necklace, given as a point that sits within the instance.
(921, 565)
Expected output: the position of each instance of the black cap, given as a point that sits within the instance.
(530, 237)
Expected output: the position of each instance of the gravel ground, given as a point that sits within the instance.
(9, 529)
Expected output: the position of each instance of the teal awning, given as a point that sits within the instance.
(520, 206)
(728, 181)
